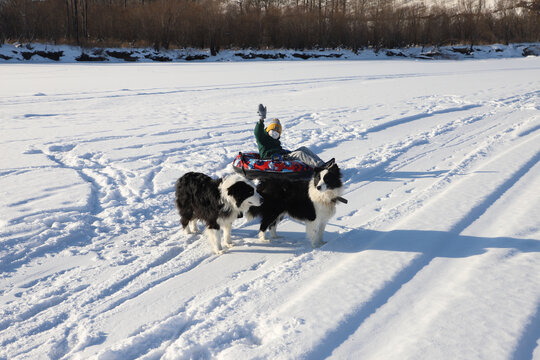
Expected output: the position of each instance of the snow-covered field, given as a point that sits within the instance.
(436, 255)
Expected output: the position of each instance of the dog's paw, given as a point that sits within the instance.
(262, 237)
(229, 245)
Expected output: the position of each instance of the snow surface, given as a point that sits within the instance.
(436, 255)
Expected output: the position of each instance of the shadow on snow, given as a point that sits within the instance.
(430, 245)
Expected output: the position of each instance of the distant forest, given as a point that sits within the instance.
(261, 24)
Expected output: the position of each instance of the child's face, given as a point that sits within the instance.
(274, 134)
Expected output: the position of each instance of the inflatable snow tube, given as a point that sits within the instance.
(252, 167)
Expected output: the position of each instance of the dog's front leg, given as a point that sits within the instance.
(227, 228)
(262, 231)
(268, 222)
(214, 237)
(315, 233)
(262, 236)
(273, 231)
(273, 227)
(320, 233)
(311, 232)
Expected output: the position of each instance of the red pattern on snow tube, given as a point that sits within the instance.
(252, 166)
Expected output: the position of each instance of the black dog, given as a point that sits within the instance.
(218, 202)
(313, 202)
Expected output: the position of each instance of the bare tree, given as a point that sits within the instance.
(269, 23)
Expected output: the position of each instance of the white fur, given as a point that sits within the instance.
(226, 225)
(229, 204)
(213, 236)
(229, 201)
(192, 227)
(262, 237)
(325, 207)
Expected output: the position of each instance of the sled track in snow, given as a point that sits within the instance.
(353, 321)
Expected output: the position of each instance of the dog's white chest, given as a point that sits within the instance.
(324, 211)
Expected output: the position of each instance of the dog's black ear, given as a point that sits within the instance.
(329, 163)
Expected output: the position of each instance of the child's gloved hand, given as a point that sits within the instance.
(262, 112)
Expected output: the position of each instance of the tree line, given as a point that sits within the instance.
(260, 24)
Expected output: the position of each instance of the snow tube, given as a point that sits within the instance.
(252, 166)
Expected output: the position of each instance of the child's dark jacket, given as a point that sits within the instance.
(268, 146)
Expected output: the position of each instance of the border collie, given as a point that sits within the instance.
(218, 202)
(313, 202)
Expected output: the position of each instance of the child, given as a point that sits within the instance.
(269, 144)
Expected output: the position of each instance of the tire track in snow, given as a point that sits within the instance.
(29, 313)
(525, 349)
(197, 311)
(116, 287)
(47, 313)
(91, 177)
(95, 211)
(125, 281)
(477, 211)
(450, 126)
(453, 271)
(208, 329)
(339, 335)
(420, 116)
(517, 101)
(312, 138)
(96, 305)
(111, 196)
(529, 131)
(377, 160)
(444, 178)
(413, 203)
(45, 241)
(149, 341)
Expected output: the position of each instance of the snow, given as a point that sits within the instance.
(435, 256)
(38, 53)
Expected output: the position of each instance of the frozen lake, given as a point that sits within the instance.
(436, 255)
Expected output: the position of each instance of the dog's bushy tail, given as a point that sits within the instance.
(179, 198)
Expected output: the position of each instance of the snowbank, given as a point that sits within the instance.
(42, 53)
